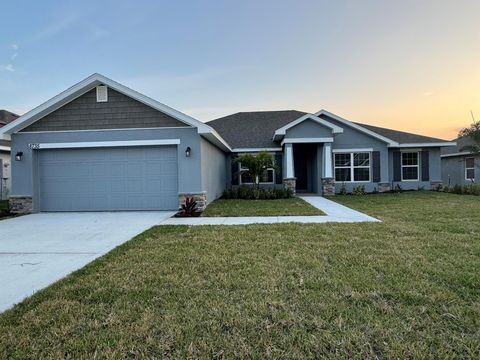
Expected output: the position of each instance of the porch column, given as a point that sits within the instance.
(328, 181)
(327, 157)
(289, 182)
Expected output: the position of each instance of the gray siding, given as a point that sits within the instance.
(453, 170)
(214, 170)
(189, 169)
(120, 112)
(434, 170)
(308, 129)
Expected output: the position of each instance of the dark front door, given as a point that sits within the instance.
(301, 172)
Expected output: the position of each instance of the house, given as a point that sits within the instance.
(6, 117)
(101, 146)
(459, 166)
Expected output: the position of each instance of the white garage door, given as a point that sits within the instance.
(108, 179)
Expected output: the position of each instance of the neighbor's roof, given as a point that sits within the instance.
(253, 129)
(256, 129)
(7, 117)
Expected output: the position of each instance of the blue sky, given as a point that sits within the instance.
(411, 65)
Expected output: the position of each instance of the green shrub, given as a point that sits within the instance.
(251, 193)
(359, 190)
(470, 189)
(343, 189)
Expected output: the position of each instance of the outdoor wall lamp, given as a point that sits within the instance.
(188, 151)
(18, 156)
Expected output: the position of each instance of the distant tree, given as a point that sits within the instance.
(255, 165)
(472, 132)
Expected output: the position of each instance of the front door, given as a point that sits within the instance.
(304, 157)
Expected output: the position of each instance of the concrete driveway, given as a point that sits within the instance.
(39, 249)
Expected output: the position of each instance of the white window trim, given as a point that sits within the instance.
(241, 169)
(470, 168)
(352, 167)
(411, 166)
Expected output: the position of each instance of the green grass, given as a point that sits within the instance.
(279, 207)
(4, 205)
(405, 288)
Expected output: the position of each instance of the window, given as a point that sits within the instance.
(470, 169)
(409, 166)
(268, 176)
(352, 167)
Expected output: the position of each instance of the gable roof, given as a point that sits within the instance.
(282, 131)
(253, 129)
(89, 83)
(247, 130)
(7, 117)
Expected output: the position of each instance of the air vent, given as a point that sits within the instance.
(102, 93)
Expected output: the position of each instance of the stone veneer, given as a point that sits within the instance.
(290, 183)
(436, 185)
(328, 186)
(383, 187)
(200, 198)
(20, 204)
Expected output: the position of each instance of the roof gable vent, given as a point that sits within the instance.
(102, 93)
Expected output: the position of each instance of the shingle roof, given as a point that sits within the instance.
(256, 129)
(253, 129)
(401, 137)
(6, 117)
(461, 143)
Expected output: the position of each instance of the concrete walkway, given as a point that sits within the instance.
(335, 213)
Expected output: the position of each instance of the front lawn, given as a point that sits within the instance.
(278, 207)
(405, 288)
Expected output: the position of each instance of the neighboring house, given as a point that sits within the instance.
(101, 146)
(6, 117)
(460, 167)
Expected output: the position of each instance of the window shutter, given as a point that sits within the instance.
(397, 166)
(278, 169)
(425, 165)
(234, 170)
(376, 166)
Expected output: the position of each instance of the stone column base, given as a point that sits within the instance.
(20, 204)
(328, 186)
(383, 187)
(290, 183)
(200, 198)
(436, 185)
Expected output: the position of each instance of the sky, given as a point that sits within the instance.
(410, 65)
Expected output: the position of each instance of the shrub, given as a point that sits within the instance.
(470, 189)
(343, 189)
(188, 209)
(359, 190)
(251, 193)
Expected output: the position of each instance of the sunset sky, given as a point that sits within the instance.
(410, 65)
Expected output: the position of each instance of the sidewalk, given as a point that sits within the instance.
(334, 213)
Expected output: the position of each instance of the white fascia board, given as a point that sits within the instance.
(462, 153)
(306, 140)
(243, 150)
(352, 150)
(4, 148)
(216, 140)
(282, 131)
(439, 144)
(95, 144)
(86, 85)
(390, 142)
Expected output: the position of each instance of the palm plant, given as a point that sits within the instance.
(254, 166)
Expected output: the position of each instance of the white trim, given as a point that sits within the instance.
(352, 167)
(438, 144)
(410, 166)
(306, 140)
(5, 148)
(99, 94)
(240, 182)
(116, 129)
(256, 149)
(352, 150)
(470, 168)
(327, 157)
(93, 144)
(390, 142)
(457, 154)
(282, 131)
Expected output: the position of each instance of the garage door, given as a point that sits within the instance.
(103, 179)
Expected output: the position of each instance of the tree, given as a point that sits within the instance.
(472, 132)
(255, 165)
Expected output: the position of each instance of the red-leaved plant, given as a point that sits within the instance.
(188, 209)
